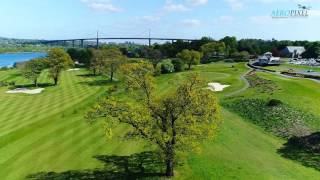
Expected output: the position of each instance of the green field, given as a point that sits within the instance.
(47, 132)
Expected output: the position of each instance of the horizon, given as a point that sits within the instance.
(243, 19)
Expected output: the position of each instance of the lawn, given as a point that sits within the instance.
(297, 92)
(47, 132)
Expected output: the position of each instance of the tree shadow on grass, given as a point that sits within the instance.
(305, 150)
(40, 85)
(87, 75)
(101, 82)
(137, 166)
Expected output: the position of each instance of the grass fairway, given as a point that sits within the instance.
(47, 132)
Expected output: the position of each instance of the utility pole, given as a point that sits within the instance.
(97, 39)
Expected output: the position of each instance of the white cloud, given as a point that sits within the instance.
(235, 4)
(101, 5)
(186, 5)
(196, 2)
(260, 19)
(191, 22)
(150, 18)
(224, 20)
(173, 7)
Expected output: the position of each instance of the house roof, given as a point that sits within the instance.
(298, 49)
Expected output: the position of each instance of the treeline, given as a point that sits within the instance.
(229, 47)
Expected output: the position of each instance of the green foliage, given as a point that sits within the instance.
(113, 59)
(137, 77)
(32, 69)
(190, 57)
(178, 64)
(82, 56)
(242, 56)
(176, 122)
(280, 119)
(213, 49)
(58, 60)
(312, 50)
(107, 61)
(153, 55)
(167, 67)
(231, 45)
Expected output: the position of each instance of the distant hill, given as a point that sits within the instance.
(13, 41)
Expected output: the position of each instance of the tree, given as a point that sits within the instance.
(189, 57)
(58, 60)
(231, 44)
(33, 68)
(177, 122)
(155, 56)
(244, 55)
(82, 56)
(213, 49)
(312, 50)
(113, 59)
(97, 63)
(178, 64)
(167, 67)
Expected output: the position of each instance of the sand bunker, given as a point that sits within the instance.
(76, 69)
(25, 91)
(216, 87)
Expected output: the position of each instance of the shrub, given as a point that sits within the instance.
(167, 67)
(178, 64)
(274, 102)
(157, 71)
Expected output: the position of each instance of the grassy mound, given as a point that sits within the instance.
(272, 115)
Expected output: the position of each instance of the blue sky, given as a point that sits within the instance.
(58, 19)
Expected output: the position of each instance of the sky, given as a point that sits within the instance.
(66, 19)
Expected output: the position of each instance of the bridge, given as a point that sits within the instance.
(97, 41)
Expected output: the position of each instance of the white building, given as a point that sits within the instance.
(268, 60)
(293, 52)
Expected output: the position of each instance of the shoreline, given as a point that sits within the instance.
(29, 52)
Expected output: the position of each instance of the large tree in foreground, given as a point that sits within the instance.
(32, 69)
(58, 60)
(176, 122)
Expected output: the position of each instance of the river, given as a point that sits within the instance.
(8, 59)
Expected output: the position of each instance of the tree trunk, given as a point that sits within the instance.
(111, 75)
(35, 83)
(169, 164)
(94, 71)
(55, 81)
(189, 66)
